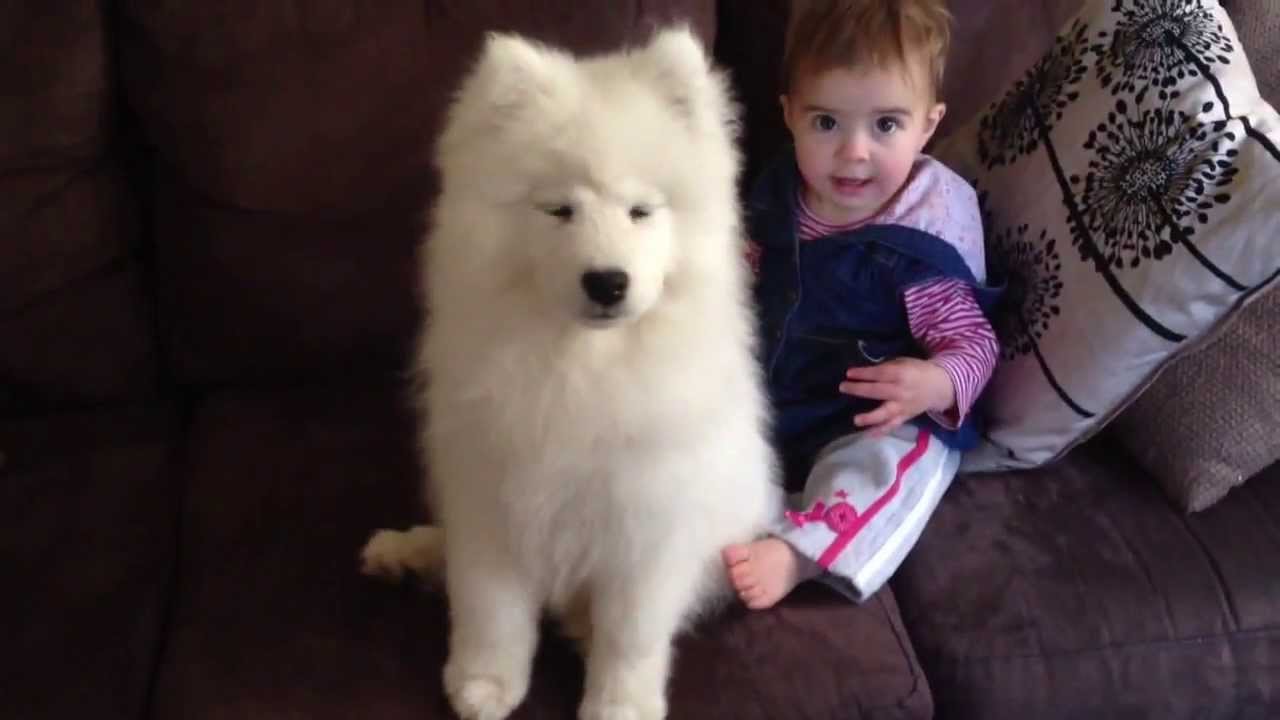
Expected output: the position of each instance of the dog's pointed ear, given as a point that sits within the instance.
(513, 81)
(678, 57)
(515, 71)
(683, 72)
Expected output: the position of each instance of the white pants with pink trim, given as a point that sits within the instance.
(865, 504)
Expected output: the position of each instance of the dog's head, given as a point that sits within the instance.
(590, 186)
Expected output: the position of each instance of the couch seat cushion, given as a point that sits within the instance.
(1077, 590)
(88, 511)
(273, 618)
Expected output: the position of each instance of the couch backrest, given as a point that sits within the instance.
(75, 328)
(292, 151)
(288, 168)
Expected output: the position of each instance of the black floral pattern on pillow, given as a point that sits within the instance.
(1032, 269)
(1016, 124)
(1023, 121)
(1157, 45)
(1155, 174)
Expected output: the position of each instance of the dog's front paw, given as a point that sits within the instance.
(391, 553)
(653, 708)
(381, 556)
(482, 696)
(625, 689)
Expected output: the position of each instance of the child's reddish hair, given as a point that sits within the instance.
(828, 34)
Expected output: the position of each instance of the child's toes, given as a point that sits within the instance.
(736, 554)
(742, 577)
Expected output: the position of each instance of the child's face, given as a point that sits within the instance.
(857, 134)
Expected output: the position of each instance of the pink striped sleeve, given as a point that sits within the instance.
(947, 322)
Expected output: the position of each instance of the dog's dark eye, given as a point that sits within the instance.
(562, 212)
(640, 212)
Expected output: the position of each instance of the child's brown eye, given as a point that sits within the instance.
(887, 125)
(825, 123)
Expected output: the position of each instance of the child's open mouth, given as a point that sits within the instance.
(851, 185)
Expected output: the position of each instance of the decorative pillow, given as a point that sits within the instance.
(1129, 182)
(1212, 420)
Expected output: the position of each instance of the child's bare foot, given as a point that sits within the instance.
(765, 571)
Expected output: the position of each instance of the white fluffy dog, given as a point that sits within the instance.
(594, 423)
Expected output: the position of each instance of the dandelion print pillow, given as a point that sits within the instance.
(1130, 187)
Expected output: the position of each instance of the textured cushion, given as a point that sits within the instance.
(87, 555)
(1075, 591)
(292, 155)
(74, 323)
(1258, 24)
(1208, 423)
(272, 618)
(1124, 180)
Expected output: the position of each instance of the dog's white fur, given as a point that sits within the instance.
(588, 463)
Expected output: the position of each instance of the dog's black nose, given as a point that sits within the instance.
(606, 287)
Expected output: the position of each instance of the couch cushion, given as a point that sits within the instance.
(1258, 24)
(293, 145)
(74, 325)
(1076, 591)
(87, 508)
(1209, 422)
(273, 618)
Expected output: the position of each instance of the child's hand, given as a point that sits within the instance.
(907, 386)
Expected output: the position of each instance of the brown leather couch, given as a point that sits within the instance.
(207, 219)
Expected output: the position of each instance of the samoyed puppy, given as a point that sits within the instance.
(593, 420)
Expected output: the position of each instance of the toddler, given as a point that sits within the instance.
(872, 295)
